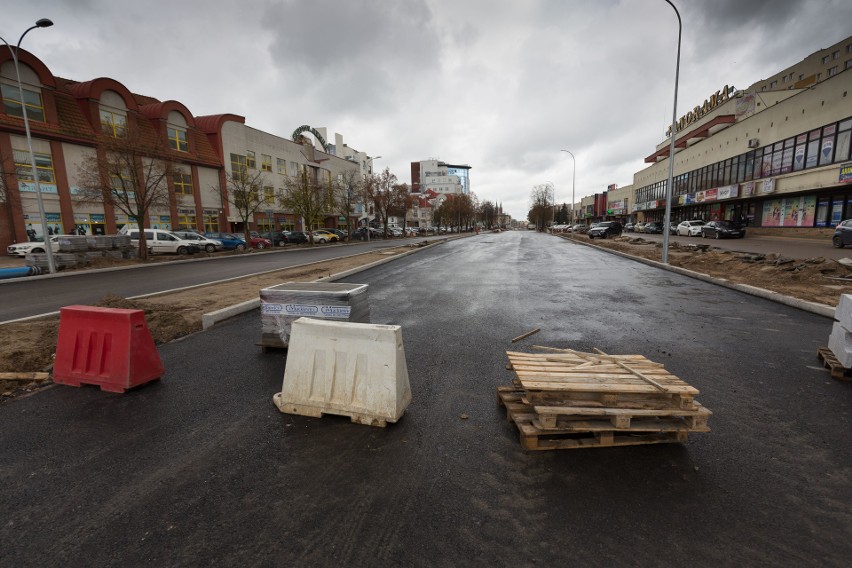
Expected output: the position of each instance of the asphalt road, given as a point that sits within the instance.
(200, 468)
(26, 297)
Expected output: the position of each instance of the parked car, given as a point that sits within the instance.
(580, 229)
(342, 235)
(653, 228)
(605, 229)
(672, 228)
(229, 241)
(722, 230)
(639, 227)
(277, 238)
(23, 249)
(297, 237)
(689, 228)
(159, 241)
(628, 228)
(323, 236)
(842, 234)
(394, 232)
(205, 244)
(259, 242)
(361, 234)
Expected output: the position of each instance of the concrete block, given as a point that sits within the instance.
(843, 311)
(840, 343)
(351, 369)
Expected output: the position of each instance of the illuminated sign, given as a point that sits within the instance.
(698, 112)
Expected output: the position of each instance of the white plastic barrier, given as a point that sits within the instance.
(843, 312)
(351, 369)
(840, 343)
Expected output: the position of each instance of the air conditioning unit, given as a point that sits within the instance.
(753, 143)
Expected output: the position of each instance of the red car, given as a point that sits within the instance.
(260, 243)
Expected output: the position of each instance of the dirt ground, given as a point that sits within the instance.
(29, 346)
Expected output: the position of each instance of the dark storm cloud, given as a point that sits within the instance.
(353, 52)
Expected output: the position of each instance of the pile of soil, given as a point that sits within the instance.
(817, 279)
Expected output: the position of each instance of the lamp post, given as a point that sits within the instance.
(573, 184)
(667, 219)
(42, 23)
(368, 217)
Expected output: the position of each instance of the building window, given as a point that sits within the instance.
(841, 149)
(826, 59)
(44, 167)
(773, 84)
(294, 169)
(12, 103)
(177, 139)
(848, 64)
(251, 161)
(238, 165)
(282, 167)
(113, 124)
(268, 194)
(183, 184)
(266, 163)
(186, 218)
(832, 71)
(836, 54)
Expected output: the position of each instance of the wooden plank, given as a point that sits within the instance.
(525, 335)
(34, 376)
(592, 386)
(591, 411)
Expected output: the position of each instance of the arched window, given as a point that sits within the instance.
(12, 104)
(176, 132)
(113, 114)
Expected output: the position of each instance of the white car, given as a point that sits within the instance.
(208, 245)
(690, 228)
(160, 241)
(23, 249)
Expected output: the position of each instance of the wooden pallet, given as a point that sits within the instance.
(830, 362)
(592, 419)
(571, 378)
(535, 438)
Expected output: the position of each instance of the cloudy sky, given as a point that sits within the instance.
(501, 85)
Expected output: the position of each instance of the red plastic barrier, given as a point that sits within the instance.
(109, 347)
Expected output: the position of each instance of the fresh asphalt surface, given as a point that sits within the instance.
(200, 468)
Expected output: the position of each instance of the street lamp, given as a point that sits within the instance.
(573, 184)
(42, 23)
(667, 219)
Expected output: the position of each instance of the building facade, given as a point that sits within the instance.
(440, 177)
(773, 156)
(69, 123)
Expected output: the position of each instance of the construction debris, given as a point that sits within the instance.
(570, 399)
(527, 334)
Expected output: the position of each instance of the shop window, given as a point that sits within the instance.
(186, 219)
(266, 163)
(812, 151)
(841, 151)
(12, 102)
(211, 221)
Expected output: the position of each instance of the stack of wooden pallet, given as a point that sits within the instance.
(569, 399)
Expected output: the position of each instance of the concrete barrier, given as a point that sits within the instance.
(350, 369)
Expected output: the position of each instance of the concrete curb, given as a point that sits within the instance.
(812, 307)
(210, 319)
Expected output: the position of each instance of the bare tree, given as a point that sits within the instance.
(347, 193)
(306, 198)
(487, 214)
(247, 194)
(541, 203)
(378, 191)
(130, 173)
(400, 201)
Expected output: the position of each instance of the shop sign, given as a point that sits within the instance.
(748, 189)
(31, 187)
(699, 197)
(728, 192)
(711, 194)
(97, 218)
(715, 100)
(769, 185)
(81, 217)
(845, 173)
(689, 199)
